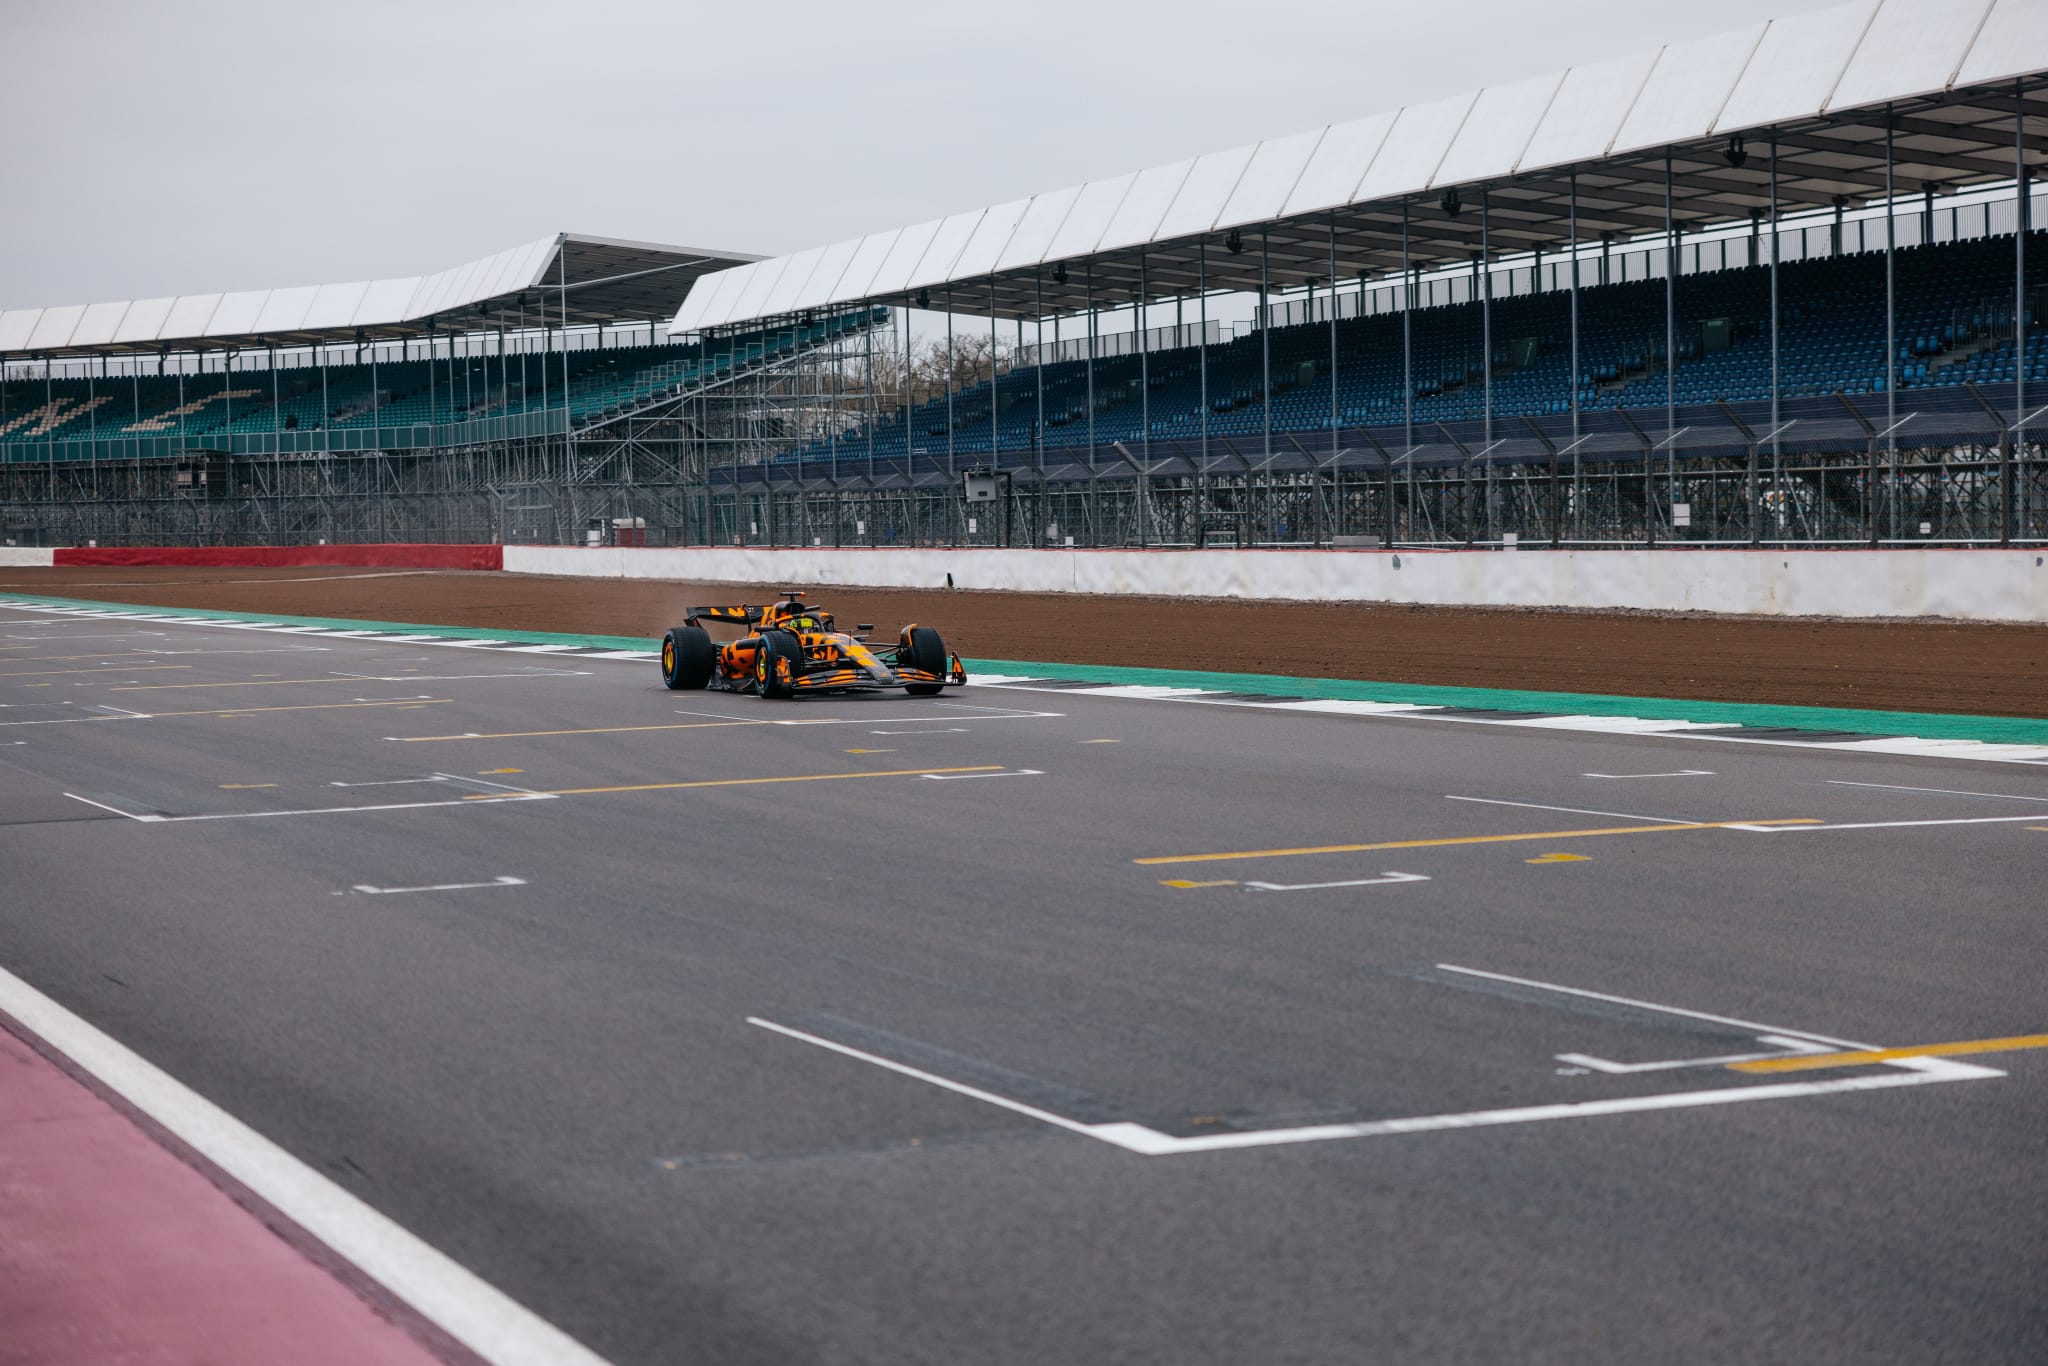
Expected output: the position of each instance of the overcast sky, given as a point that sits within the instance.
(184, 146)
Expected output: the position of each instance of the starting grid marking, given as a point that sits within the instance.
(1781, 1050)
(1728, 732)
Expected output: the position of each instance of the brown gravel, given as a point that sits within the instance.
(1999, 670)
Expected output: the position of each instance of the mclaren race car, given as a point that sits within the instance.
(789, 648)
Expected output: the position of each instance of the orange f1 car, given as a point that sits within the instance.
(789, 648)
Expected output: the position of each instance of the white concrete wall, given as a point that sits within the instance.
(24, 557)
(1986, 585)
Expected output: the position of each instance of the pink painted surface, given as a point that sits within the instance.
(114, 1252)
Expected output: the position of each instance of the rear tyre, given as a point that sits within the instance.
(779, 660)
(923, 650)
(687, 659)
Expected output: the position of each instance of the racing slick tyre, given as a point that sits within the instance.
(922, 649)
(687, 658)
(777, 647)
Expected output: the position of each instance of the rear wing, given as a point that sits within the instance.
(742, 616)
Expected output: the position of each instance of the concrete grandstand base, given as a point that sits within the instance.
(1976, 585)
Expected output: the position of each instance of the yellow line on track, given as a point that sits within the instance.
(1808, 1062)
(599, 730)
(1461, 839)
(745, 782)
(122, 669)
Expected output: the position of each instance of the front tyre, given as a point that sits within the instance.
(777, 664)
(687, 659)
(923, 650)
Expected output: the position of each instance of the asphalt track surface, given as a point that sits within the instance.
(859, 1030)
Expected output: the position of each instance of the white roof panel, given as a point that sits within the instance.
(1414, 148)
(236, 315)
(189, 316)
(893, 276)
(285, 309)
(936, 265)
(384, 302)
(747, 306)
(469, 284)
(1686, 89)
(497, 276)
(527, 267)
(432, 293)
(985, 248)
(1503, 121)
(335, 305)
(1913, 48)
(710, 294)
(1204, 193)
(690, 312)
(17, 325)
(1587, 112)
(99, 324)
(860, 271)
(1093, 208)
(1796, 66)
(55, 327)
(831, 265)
(2012, 42)
(1262, 191)
(1341, 160)
(1036, 230)
(1137, 219)
(732, 284)
(794, 278)
(144, 321)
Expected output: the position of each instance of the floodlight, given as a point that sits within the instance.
(1450, 203)
(1735, 153)
(1234, 244)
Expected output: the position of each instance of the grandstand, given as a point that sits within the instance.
(1779, 285)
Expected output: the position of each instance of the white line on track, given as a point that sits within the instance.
(367, 890)
(1681, 773)
(1886, 825)
(465, 1306)
(1652, 1005)
(1148, 1142)
(959, 777)
(157, 818)
(1943, 791)
(1574, 810)
(1783, 1045)
(1381, 881)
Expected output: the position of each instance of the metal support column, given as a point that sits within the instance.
(1777, 491)
(1578, 463)
(1486, 355)
(1670, 363)
(2014, 470)
(1891, 347)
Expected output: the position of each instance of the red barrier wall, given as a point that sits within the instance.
(271, 556)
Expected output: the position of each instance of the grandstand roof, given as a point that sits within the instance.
(607, 281)
(1822, 80)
